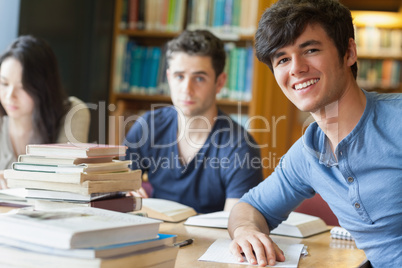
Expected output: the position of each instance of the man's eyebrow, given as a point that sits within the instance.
(309, 43)
(302, 45)
(199, 72)
(193, 73)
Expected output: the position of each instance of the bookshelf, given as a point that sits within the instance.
(274, 121)
(267, 110)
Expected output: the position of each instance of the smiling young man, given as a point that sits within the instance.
(351, 155)
(194, 153)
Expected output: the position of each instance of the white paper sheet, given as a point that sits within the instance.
(219, 252)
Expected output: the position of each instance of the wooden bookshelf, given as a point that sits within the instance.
(274, 121)
(271, 114)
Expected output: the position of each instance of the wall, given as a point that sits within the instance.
(80, 32)
(9, 13)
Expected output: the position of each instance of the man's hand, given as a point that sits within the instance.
(139, 193)
(257, 247)
(250, 233)
(3, 182)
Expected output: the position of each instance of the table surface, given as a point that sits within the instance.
(323, 251)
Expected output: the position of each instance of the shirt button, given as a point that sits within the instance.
(340, 153)
(350, 179)
(357, 205)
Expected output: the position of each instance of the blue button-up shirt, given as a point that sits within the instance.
(361, 181)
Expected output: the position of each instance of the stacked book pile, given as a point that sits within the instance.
(83, 237)
(66, 175)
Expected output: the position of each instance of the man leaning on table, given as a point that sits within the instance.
(351, 155)
(193, 152)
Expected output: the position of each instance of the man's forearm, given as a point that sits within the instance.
(245, 215)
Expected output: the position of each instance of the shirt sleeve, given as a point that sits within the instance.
(284, 189)
(136, 141)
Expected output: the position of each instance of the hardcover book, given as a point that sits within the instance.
(114, 166)
(160, 257)
(75, 149)
(67, 196)
(95, 252)
(77, 227)
(166, 210)
(85, 188)
(48, 160)
(77, 178)
(119, 204)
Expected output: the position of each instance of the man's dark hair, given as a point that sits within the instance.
(285, 21)
(199, 43)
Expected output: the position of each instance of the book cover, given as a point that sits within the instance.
(119, 62)
(300, 225)
(119, 204)
(125, 83)
(73, 178)
(132, 14)
(67, 196)
(95, 252)
(159, 257)
(77, 227)
(166, 210)
(37, 159)
(114, 166)
(76, 149)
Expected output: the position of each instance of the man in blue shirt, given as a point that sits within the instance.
(193, 152)
(351, 155)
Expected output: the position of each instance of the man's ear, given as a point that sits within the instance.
(220, 82)
(351, 53)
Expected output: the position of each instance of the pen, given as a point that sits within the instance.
(184, 243)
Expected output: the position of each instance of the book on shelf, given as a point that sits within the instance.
(114, 166)
(68, 196)
(84, 188)
(77, 178)
(297, 225)
(166, 210)
(159, 257)
(77, 227)
(49, 160)
(76, 149)
(119, 204)
(94, 252)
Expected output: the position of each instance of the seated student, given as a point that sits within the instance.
(194, 153)
(34, 107)
(351, 155)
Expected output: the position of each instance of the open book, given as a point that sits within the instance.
(166, 210)
(297, 225)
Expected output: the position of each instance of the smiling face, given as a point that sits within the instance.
(193, 84)
(14, 99)
(309, 71)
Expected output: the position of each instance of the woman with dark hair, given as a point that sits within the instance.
(34, 107)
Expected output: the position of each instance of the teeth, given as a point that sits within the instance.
(306, 84)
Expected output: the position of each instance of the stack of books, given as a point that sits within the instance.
(66, 175)
(83, 237)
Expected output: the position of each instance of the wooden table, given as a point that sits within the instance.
(322, 250)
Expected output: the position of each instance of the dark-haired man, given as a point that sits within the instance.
(351, 155)
(193, 152)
